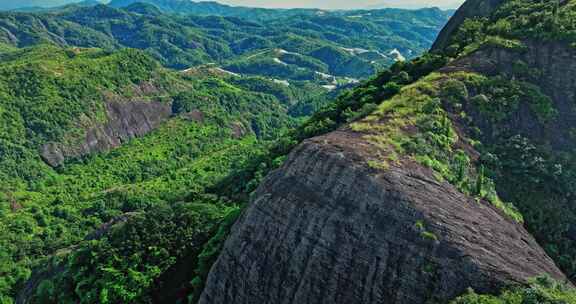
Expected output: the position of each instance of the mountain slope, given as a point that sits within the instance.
(328, 228)
(119, 177)
(195, 40)
(469, 10)
(387, 206)
(293, 51)
(212, 8)
(10, 5)
(80, 101)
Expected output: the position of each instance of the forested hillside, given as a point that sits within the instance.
(363, 42)
(446, 178)
(332, 50)
(55, 95)
(212, 8)
(131, 138)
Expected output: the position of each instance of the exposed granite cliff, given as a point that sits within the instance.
(549, 65)
(470, 9)
(327, 228)
(126, 120)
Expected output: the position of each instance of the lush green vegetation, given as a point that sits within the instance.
(171, 197)
(164, 175)
(123, 265)
(540, 291)
(542, 183)
(42, 100)
(361, 101)
(500, 97)
(516, 21)
(184, 41)
(526, 171)
(426, 106)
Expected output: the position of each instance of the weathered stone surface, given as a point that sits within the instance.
(52, 154)
(126, 120)
(553, 70)
(326, 228)
(195, 115)
(238, 130)
(470, 9)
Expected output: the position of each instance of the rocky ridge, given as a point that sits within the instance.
(470, 9)
(551, 66)
(329, 227)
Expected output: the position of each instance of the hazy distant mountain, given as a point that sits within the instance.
(31, 5)
(8, 5)
(415, 4)
(213, 8)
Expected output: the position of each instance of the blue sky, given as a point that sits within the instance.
(343, 4)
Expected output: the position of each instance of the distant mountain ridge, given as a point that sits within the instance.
(319, 48)
(415, 4)
(37, 4)
(211, 8)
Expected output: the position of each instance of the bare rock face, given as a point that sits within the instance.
(327, 228)
(552, 67)
(126, 120)
(470, 9)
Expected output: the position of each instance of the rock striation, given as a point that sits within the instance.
(126, 120)
(328, 228)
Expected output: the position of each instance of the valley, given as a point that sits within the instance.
(120, 119)
(171, 151)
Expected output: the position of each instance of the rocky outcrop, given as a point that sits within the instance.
(126, 120)
(547, 64)
(470, 9)
(328, 228)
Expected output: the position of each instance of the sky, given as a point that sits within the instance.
(346, 4)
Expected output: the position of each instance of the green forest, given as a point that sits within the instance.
(174, 192)
(49, 211)
(145, 221)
